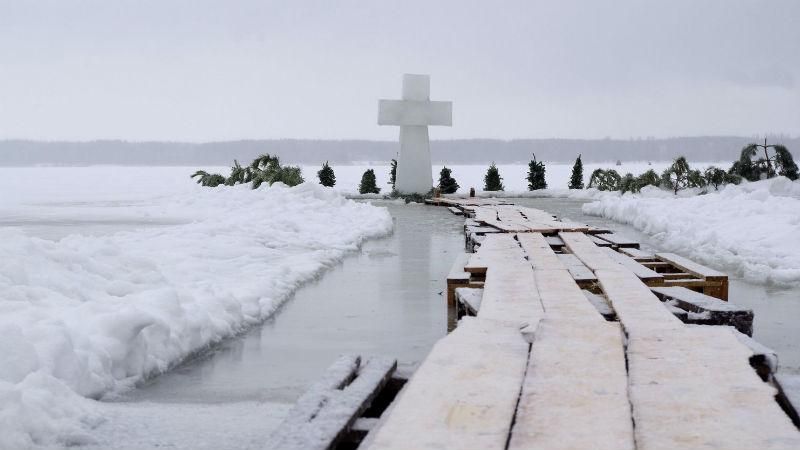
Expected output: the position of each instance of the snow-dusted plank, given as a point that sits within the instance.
(464, 394)
(457, 273)
(693, 388)
(639, 310)
(510, 294)
(600, 303)
(717, 312)
(650, 277)
(617, 240)
(455, 211)
(591, 255)
(690, 266)
(539, 252)
(470, 298)
(579, 271)
(635, 253)
(716, 282)
(562, 298)
(554, 241)
(495, 247)
(575, 390)
(599, 242)
(322, 416)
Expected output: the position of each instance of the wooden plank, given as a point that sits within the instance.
(639, 310)
(708, 310)
(510, 295)
(716, 282)
(635, 253)
(469, 299)
(694, 388)
(599, 242)
(463, 395)
(579, 271)
(562, 298)
(496, 247)
(455, 211)
(692, 267)
(590, 254)
(323, 415)
(600, 303)
(617, 240)
(650, 277)
(539, 252)
(554, 241)
(575, 390)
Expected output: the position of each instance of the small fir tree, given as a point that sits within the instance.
(649, 178)
(393, 173)
(605, 180)
(676, 176)
(753, 167)
(368, 185)
(628, 184)
(535, 178)
(447, 184)
(576, 180)
(492, 181)
(208, 179)
(326, 176)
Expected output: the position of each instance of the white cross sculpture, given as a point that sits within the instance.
(413, 114)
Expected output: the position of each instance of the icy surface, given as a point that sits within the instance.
(751, 229)
(84, 315)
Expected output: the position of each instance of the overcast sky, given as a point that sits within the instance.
(215, 70)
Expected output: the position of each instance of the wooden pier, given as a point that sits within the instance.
(566, 336)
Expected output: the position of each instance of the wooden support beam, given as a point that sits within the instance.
(717, 281)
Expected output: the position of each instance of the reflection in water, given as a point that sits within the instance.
(385, 300)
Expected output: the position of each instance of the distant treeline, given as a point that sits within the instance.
(298, 151)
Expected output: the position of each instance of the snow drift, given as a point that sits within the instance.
(85, 316)
(752, 229)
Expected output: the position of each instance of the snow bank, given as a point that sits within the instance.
(752, 229)
(85, 316)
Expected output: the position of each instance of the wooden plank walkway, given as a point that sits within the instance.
(541, 367)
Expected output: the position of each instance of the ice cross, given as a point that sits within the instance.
(413, 114)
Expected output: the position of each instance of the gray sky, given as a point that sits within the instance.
(211, 70)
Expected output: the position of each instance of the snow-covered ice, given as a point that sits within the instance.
(752, 229)
(85, 315)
